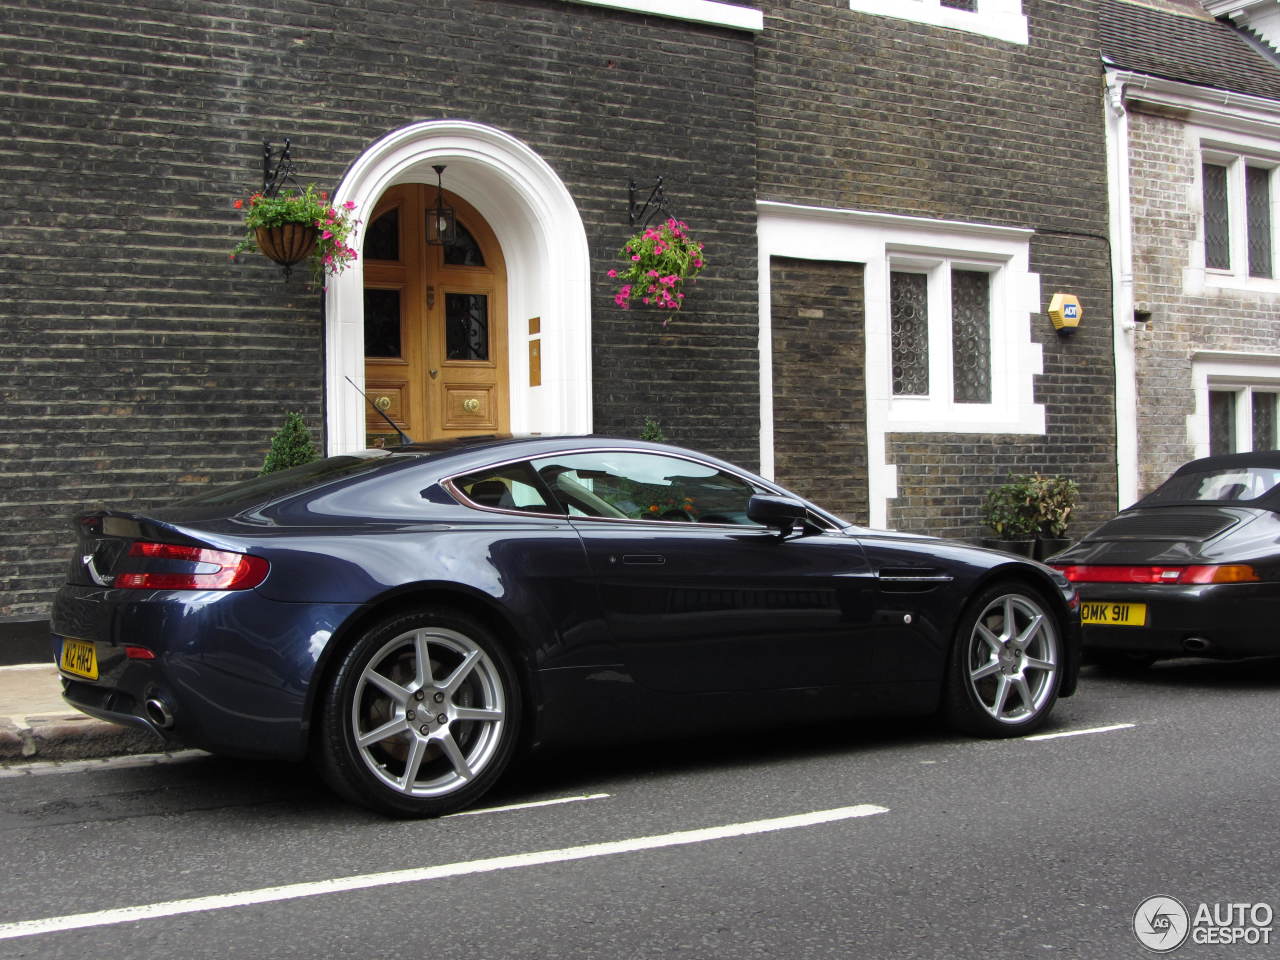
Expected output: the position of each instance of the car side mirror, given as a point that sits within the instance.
(781, 513)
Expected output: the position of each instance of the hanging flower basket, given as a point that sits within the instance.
(286, 244)
(296, 225)
(658, 261)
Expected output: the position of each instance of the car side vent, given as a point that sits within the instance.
(911, 579)
(1161, 526)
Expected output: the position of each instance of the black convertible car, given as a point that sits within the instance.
(412, 618)
(1191, 569)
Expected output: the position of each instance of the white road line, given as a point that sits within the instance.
(1080, 733)
(530, 805)
(293, 891)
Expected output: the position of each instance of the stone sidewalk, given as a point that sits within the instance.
(37, 724)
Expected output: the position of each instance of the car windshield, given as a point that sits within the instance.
(1223, 484)
(284, 482)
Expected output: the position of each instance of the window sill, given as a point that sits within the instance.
(1009, 24)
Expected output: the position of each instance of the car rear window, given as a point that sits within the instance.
(1225, 484)
(282, 483)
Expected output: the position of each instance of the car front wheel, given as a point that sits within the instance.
(421, 715)
(1006, 663)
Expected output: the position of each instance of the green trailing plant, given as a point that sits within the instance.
(291, 446)
(652, 431)
(309, 208)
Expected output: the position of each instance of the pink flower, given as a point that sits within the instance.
(635, 257)
(349, 205)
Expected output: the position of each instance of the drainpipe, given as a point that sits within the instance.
(1123, 326)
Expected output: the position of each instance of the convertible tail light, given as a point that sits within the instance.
(210, 569)
(1203, 573)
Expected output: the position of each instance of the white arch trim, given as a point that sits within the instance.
(548, 271)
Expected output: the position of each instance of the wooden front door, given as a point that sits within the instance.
(435, 324)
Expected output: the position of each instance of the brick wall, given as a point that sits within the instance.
(819, 385)
(137, 363)
(881, 114)
(1186, 316)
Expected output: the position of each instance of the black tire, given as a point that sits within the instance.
(1006, 663)
(410, 742)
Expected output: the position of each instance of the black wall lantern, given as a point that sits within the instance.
(442, 227)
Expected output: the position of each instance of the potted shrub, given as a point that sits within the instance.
(1010, 511)
(295, 225)
(291, 446)
(657, 262)
(1055, 498)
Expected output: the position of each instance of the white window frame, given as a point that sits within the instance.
(938, 270)
(1237, 276)
(1000, 19)
(1238, 373)
(731, 15)
(878, 240)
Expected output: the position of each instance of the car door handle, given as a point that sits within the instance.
(644, 559)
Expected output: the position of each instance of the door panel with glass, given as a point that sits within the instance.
(434, 321)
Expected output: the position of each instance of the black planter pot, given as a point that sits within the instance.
(1046, 547)
(1021, 548)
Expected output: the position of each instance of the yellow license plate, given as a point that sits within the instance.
(79, 658)
(1113, 614)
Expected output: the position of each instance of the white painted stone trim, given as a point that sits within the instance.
(874, 239)
(695, 11)
(548, 271)
(1000, 19)
(1222, 368)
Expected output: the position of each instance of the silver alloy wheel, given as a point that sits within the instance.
(428, 712)
(1013, 658)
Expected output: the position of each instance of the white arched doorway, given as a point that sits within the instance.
(548, 273)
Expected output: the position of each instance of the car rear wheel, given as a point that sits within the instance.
(1006, 663)
(421, 715)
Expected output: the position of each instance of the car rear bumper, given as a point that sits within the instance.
(231, 672)
(1212, 620)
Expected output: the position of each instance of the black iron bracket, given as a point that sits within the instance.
(640, 214)
(277, 168)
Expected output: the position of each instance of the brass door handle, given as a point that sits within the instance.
(383, 403)
(471, 404)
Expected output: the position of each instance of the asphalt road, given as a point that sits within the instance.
(878, 841)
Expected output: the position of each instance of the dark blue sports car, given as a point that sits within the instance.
(412, 618)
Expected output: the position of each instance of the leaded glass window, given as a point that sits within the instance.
(382, 239)
(1222, 422)
(1257, 204)
(909, 331)
(466, 326)
(464, 251)
(1217, 230)
(381, 323)
(971, 336)
(1264, 421)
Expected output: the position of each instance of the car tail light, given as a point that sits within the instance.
(212, 569)
(1202, 573)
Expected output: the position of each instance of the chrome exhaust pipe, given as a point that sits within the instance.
(158, 712)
